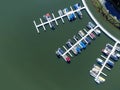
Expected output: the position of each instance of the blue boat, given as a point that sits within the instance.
(59, 52)
(82, 45)
(88, 40)
(109, 62)
(78, 49)
(114, 57)
(85, 42)
(71, 16)
(76, 7)
(69, 44)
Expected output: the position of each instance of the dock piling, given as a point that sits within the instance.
(104, 74)
(42, 24)
(36, 27)
(85, 30)
(55, 19)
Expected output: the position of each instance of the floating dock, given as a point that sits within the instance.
(61, 16)
(79, 43)
(67, 51)
(107, 59)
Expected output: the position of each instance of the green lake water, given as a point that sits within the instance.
(28, 60)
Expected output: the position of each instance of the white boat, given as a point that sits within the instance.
(99, 80)
(81, 33)
(60, 12)
(95, 70)
(97, 31)
(118, 48)
(74, 50)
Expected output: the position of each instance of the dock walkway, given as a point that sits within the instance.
(55, 19)
(108, 58)
(107, 33)
(88, 33)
